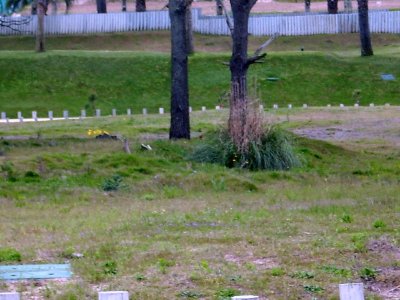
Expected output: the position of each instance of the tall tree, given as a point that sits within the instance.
(189, 29)
(239, 64)
(180, 123)
(41, 12)
(101, 6)
(332, 6)
(365, 36)
(307, 5)
(140, 5)
(220, 10)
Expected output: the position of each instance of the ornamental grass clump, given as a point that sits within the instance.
(254, 146)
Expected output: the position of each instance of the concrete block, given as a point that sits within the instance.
(50, 115)
(128, 111)
(3, 115)
(83, 113)
(65, 114)
(9, 296)
(161, 110)
(114, 295)
(203, 108)
(290, 106)
(98, 113)
(19, 115)
(351, 291)
(145, 111)
(305, 105)
(114, 112)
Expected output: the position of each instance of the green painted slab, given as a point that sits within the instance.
(47, 271)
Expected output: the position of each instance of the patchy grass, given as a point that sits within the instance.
(175, 227)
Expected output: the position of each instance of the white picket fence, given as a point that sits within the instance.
(267, 24)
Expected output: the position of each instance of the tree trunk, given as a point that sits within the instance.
(101, 6)
(180, 124)
(307, 5)
(348, 6)
(54, 7)
(220, 10)
(140, 5)
(239, 66)
(41, 12)
(332, 6)
(365, 36)
(123, 5)
(189, 29)
(68, 4)
(34, 8)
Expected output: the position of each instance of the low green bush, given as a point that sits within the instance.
(274, 151)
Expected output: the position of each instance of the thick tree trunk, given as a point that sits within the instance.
(189, 29)
(307, 5)
(140, 5)
(220, 10)
(238, 66)
(332, 6)
(180, 123)
(101, 6)
(41, 12)
(68, 4)
(365, 36)
(124, 5)
(348, 6)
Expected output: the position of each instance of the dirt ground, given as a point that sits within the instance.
(208, 7)
(370, 128)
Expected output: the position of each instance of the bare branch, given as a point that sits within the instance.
(266, 44)
(14, 23)
(228, 19)
(257, 54)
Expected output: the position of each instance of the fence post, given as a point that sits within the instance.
(65, 114)
(50, 115)
(98, 113)
(128, 111)
(3, 115)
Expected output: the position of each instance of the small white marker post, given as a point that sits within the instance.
(144, 111)
(203, 108)
(3, 115)
(114, 295)
(387, 104)
(98, 113)
(19, 115)
(161, 111)
(65, 114)
(305, 105)
(128, 111)
(261, 107)
(356, 105)
(329, 106)
(245, 297)
(351, 291)
(289, 106)
(190, 109)
(50, 115)
(114, 112)
(341, 105)
(83, 113)
(275, 106)
(217, 107)
(34, 116)
(9, 296)
(371, 105)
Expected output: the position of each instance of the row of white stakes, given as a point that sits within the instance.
(348, 291)
(144, 111)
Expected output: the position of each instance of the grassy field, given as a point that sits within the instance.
(161, 226)
(181, 230)
(61, 79)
